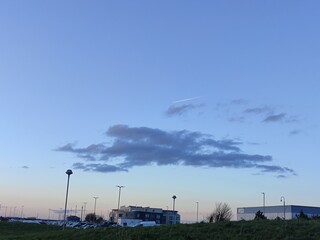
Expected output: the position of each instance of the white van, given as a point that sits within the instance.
(146, 224)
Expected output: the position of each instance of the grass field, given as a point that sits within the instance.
(248, 230)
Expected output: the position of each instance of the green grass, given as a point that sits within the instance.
(243, 230)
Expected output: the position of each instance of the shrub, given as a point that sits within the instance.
(222, 213)
(260, 216)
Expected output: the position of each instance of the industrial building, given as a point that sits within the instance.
(131, 215)
(287, 212)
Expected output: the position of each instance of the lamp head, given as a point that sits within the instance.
(69, 172)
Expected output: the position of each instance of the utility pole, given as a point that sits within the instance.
(81, 213)
(84, 209)
(264, 203)
(282, 199)
(95, 204)
(173, 206)
(197, 211)
(68, 172)
(119, 200)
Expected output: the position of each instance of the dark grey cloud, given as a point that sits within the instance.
(98, 167)
(143, 146)
(275, 117)
(25, 167)
(87, 153)
(180, 109)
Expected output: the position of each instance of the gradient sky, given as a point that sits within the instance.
(211, 101)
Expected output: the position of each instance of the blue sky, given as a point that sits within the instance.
(213, 101)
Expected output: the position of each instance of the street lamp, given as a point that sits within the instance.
(22, 211)
(95, 204)
(197, 211)
(118, 186)
(14, 211)
(68, 172)
(264, 203)
(81, 214)
(60, 212)
(282, 199)
(174, 202)
(84, 209)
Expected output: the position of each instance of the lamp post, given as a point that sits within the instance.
(60, 212)
(264, 203)
(68, 172)
(282, 199)
(84, 209)
(197, 211)
(95, 204)
(81, 214)
(118, 186)
(22, 211)
(14, 212)
(173, 205)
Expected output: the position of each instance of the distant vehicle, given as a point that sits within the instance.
(80, 225)
(87, 225)
(33, 221)
(71, 224)
(146, 224)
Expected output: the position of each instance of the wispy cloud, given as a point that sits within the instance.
(275, 117)
(292, 119)
(236, 119)
(186, 100)
(294, 132)
(25, 167)
(281, 176)
(258, 110)
(178, 110)
(143, 146)
(239, 101)
(238, 110)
